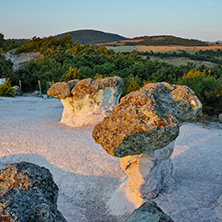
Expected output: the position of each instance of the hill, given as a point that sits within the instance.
(166, 40)
(161, 40)
(92, 36)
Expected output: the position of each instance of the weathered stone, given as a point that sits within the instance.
(149, 212)
(60, 90)
(28, 193)
(220, 117)
(147, 119)
(17, 90)
(86, 101)
(37, 94)
(141, 130)
(147, 174)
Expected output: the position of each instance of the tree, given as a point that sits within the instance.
(2, 41)
(207, 88)
(5, 67)
(73, 73)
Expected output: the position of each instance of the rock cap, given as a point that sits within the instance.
(147, 119)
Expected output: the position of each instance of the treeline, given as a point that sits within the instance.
(64, 61)
(214, 56)
(169, 40)
(43, 45)
(6, 45)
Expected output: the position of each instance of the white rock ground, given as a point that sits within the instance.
(88, 178)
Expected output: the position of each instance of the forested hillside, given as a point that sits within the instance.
(91, 36)
(166, 40)
(63, 60)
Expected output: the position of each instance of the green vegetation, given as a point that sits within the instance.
(214, 56)
(47, 45)
(63, 60)
(5, 67)
(6, 89)
(6, 45)
(207, 88)
(168, 40)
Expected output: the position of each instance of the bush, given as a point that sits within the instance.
(73, 73)
(207, 88)
(6, 89)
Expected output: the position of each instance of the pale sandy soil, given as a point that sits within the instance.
(88, 177)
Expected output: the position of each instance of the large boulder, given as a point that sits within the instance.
(149, 212)
(85, 101)
(28, 193)
(141, 130)
(147, 119)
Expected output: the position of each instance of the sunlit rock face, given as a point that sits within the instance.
(141, 130)
(148, 173)
(85, 101)
(147, 119)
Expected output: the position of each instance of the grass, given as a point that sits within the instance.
(183, 61)
(166, 48)
(176, 61)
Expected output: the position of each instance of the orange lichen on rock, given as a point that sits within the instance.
(147, 119)
(86, 101)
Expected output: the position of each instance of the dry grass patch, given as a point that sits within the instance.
(167, 48)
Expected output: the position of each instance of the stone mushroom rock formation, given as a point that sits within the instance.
(141, 130)
(28, 193)
(85, 101)
(149, 211)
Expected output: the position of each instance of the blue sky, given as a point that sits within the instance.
(196, 19)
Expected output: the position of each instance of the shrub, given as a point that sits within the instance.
(6, 89)
(207, 88)
(73, 73)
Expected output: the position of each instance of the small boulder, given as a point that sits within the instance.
(18, 91)
(149, 212)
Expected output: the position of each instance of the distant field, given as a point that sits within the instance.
(183, 61)
(166, 48)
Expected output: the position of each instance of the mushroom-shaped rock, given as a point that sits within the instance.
(141, 130)
(85, 101)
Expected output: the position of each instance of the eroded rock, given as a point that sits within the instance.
(147, 119)
(149, 211)
(148, 173)
(86, 101)
(28, 193)
(141, 130)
